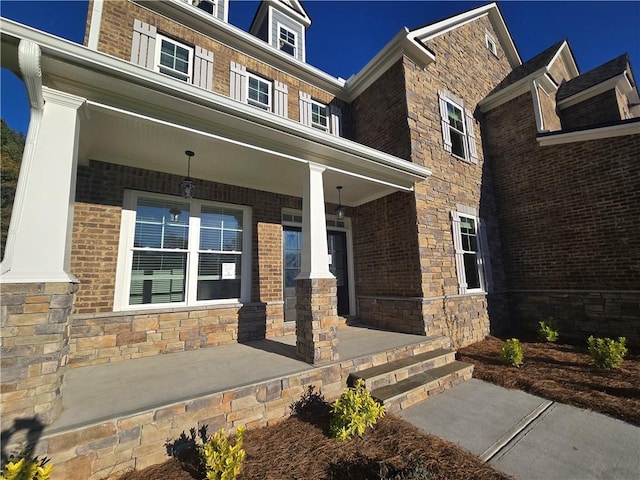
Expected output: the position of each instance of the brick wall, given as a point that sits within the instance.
(564, 212)
(601, 109)
(117, 33)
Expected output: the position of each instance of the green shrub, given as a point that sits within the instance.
(606, 352)
(511, 352)
(354, 412)
(222, 461)
(27, 468)
(547, 331)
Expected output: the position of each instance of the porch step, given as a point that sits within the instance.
(418, 387)
(395, 371)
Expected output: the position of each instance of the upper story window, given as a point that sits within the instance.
(173, 58)
(319, 116)
(208, 6)
(158, 52)
(287, 40)
(491, 44)
(457, 128)
(258, 92)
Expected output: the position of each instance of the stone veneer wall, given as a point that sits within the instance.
(102, 338)
(317, 320)
(35, 334)
(137, 441)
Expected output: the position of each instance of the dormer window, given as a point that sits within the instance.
(287, 40)
(258, 92)
(319, 116)
(208, 6)
(173, 58)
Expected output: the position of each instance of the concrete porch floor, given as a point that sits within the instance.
(97, 393)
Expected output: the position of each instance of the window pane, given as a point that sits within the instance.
(471, 270)
(161, 224)
(457, 143)
(207, 6)
(319, 115)
(455, 117)
(290, 277)
(157, 277)
(221, 229)
(219, 276)
(292, 239)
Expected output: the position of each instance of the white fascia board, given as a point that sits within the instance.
(514, 90)
(451, 23)
(291, 12)
(161, 90)
(404, 43)
(244, 42)
(567, 56)
(590, 134)
(621, 82)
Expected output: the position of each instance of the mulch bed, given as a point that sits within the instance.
(562, 373)
(299, 447)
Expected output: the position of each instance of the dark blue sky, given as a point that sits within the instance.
(345, 35)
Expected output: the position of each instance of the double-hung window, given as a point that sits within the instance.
(258, 92)
(471, 253)
(457, 128)
(287, 40)
(319, 116)
(173, 58)
(179, 253)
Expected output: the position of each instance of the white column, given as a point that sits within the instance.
(315, 254)
(39, 240)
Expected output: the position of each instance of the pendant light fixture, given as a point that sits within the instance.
(340, 210)
(188, 186)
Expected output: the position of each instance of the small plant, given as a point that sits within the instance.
(222, 461)
(511, 352)
(606, 352)
(354, 412)
(27, 468)
(309, 402)
(547, 332)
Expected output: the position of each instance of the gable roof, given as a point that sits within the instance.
(291, 8)
(532, 65)
(412, 44)
(593, 77)
(537, 69)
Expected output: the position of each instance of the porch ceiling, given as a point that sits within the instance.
(118, 137)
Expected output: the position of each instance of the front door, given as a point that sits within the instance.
(292, 256)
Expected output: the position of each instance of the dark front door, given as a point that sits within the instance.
(337, 243)
(292, 253)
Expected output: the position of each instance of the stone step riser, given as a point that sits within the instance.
(405, 372)
(411, 397)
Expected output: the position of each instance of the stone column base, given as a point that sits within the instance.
(317, 320)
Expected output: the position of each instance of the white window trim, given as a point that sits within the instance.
(125, 254)
(156, 60)
(491, 44)
(468, 135)
(482, 254)
(324, 128)
(253, 102)
(296, 43)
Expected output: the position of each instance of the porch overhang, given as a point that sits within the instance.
(143, 119)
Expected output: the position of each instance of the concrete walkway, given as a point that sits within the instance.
(530, 437)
